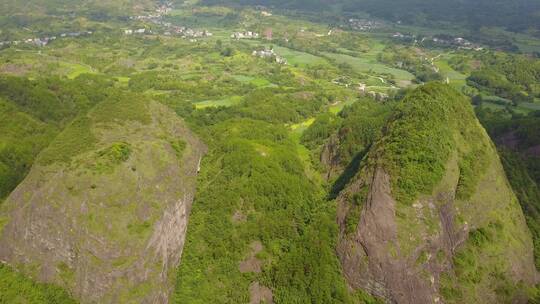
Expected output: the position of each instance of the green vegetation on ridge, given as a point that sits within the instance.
(33, 112)
(254, 183)
(516, 135)
(16, 288)
(419, 139)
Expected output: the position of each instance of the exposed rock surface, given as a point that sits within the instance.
(252, 263)
(108, 232)
(330, 157)
(260, 294)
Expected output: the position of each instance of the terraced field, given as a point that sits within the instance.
(298, 58)
(456, 78)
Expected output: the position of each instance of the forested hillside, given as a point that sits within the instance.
(519, 15)
(269, 151)
(430, 213)
(59, 7)
(34, 112)
(517, 138)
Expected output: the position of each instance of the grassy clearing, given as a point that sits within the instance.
(530, 106)
(522, 108)
(299, 128)
(225, 102)
(298, 58)
(77, 138)
(336, 108)
(76, 69)
(304, 154)
(457, 79)
(369, 65)
(256, 81)
(122, 82)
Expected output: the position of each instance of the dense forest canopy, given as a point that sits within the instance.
(518, 15)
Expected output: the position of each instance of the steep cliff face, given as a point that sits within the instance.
(430, 216)
(104, 210)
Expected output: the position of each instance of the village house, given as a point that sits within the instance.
(281, 60)
(266, 53)
(164, 9)
(169, 29)
(191, 33)
(362, 87)
(245, 35)
(40, 42)
(364, 24)
(270, 54)
(378, 96)
(43, 41)
(460, 40)
(404, 37)
(137, 31)
(457, 42)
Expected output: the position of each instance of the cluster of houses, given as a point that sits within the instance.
(440, 41)
(265, 12)
(404, 37)
(379, 96)
(161, 10)
(245, 35)
(460, 43)
(137, 31)
(363, 25)
(362, 88)
(188, 32)
(164, 8)
(43, 41)
(169, 28)
(173, 30)
(269, 54)
(155, 18)
(267, 34)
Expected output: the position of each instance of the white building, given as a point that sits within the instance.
(245, 35)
